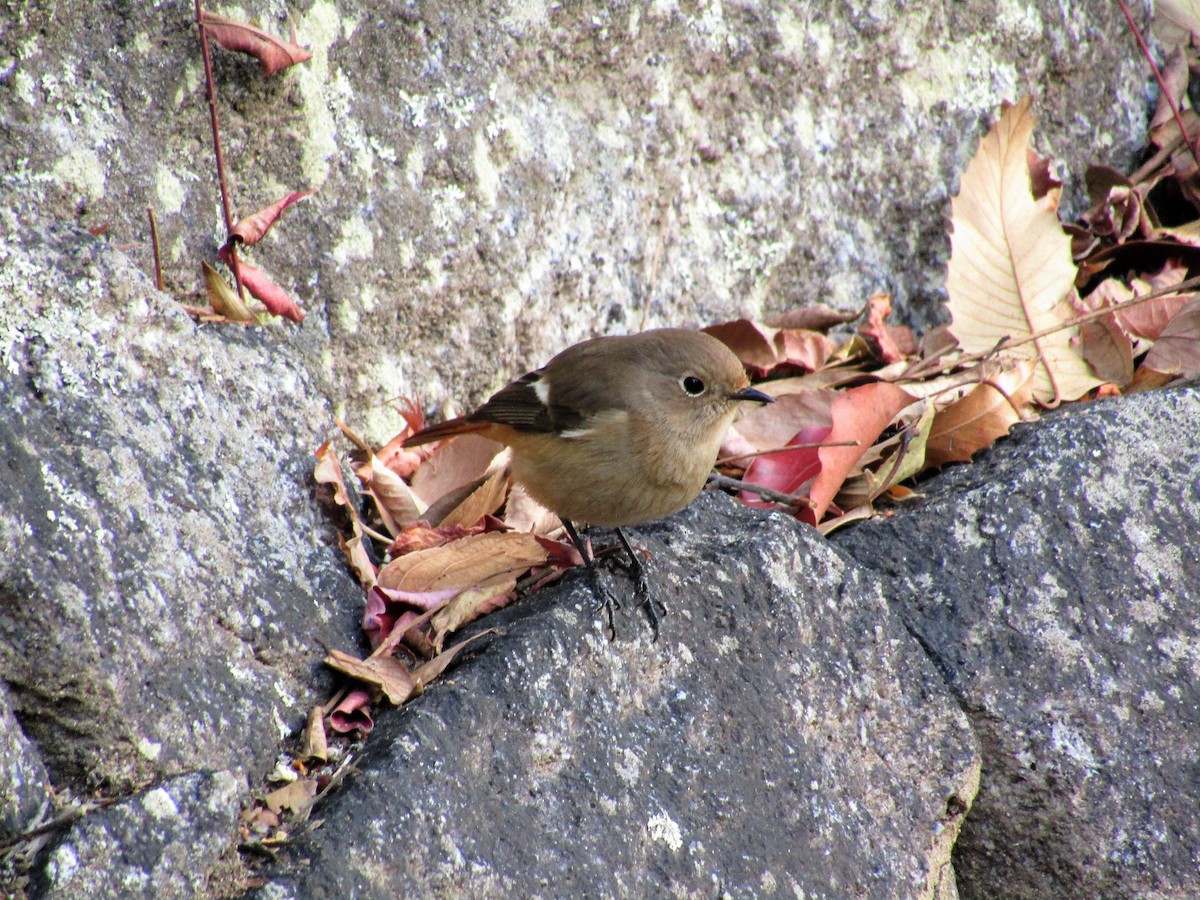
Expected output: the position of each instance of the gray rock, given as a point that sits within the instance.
(167, 577)
(162, 843)
(24, 785)
(1055, 584)
(522, 175)
(784, 736)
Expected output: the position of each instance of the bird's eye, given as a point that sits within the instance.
(692, 385)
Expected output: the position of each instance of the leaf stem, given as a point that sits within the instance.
(158, 275)
(211, 91)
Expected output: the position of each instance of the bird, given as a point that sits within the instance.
(613, 432)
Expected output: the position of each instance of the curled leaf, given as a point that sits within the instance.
(274, 54)
(253, 228)
(262, 288)
(223, 298)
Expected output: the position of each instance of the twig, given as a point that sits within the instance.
(211, 90)
(68, 817)
(1162, 85)
(158, 275)
(736, 484)
(1009, 343)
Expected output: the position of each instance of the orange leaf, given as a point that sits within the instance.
(983, 416)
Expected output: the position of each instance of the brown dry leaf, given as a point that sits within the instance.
(360, 560)
(388, 674)
(465, 563)
(471, 604)
(427, 672)
(815, 317)
(462, 461)
(981, 417)
(315, 745)
(1177, 350)
(296, 796)
(875, 329)
(420, 536)
(483, 501)
(1149, 319)
(1108, 350)
(1010, 264)
(397, 503)
(262, 287)
(751, 342)
(223, 298)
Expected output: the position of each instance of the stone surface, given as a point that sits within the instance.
(167, 574)
(24, 785)
(518, 176)
(1055, 584)
(162, 843)
(784, 735)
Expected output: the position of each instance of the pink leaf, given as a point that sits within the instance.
(266, 291)
(253, 228)
(353, 714)
(274, 54)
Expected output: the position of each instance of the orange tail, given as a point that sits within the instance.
(446, 429)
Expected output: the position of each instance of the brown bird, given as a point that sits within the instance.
(615, 431)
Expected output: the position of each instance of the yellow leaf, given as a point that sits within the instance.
(1010, 264)
(223, 298)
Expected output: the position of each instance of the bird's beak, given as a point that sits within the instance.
(751, 394)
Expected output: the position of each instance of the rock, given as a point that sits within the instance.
(1054, 584)
(24, 785)
(784, 735)
(162, 843)
(517, 177)
(168, 576)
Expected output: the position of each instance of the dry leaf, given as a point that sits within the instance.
(353, 713)
(388, 674)
(274, 54)
(464, 563)
(1010, 264)
(254, 228)
(262, 288)
(223, 298)
(1177, 350)
(295, 796)
(1176, 21)
(454, 464)
(315, 745)
(981, 417)
(483, 501)
(398, 505)
(859, 414)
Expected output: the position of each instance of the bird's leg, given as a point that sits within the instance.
(604, 598)
(645, 595)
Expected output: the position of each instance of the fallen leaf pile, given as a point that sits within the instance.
(1041, 313)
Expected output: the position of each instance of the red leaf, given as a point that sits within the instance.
(859, 414)
(274, 54)
(253, 228)
(787, 471)
(260, 285)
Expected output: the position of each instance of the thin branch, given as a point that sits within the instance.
(211, 91)
(736, 484)
(158, 275)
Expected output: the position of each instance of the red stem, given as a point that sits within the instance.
(1162, 85)
(210, 86)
